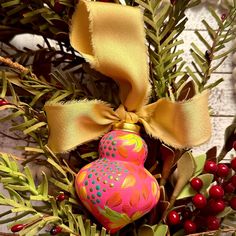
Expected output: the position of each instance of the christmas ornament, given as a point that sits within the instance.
(117, 188)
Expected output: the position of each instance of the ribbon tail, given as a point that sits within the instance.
(179, 124)
(111, 38)
(74, 123)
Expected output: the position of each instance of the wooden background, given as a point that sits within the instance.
(222, 99)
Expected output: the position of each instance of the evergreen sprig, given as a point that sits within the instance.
(47, 18)
(205, 63)
(33, 206)
(164, 23)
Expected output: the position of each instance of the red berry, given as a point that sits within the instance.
(199, 201)
(229, 188)
(210, 167)
(61, 197)
(186, 213)
(216, 192)
(233, 203)
(222, 170)
(196, 183)
(223, 16)
(190, 227)
(213, 223)
(233, 161)
(55, 230)
(173, 2)
(3, 102)
(173, 218)
(216, 205)
(58, 7)
(17, 228)
(234, 146)
(233, 180)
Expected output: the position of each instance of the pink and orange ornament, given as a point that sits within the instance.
(117, 188)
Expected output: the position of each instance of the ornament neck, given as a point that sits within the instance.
(126, 127)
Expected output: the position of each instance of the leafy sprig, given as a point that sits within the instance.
(33, 206)
(205, 63)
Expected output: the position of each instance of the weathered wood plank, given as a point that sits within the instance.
(219, 124)
(196, 15)
(223, 97)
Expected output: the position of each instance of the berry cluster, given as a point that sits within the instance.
(202, 213)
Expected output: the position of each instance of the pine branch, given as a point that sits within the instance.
(46, 18)
(206, 63)
(164, 23)
(25, 194)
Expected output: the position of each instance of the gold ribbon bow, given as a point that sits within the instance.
(111, 38)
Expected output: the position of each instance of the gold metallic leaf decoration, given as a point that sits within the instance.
(129, 181)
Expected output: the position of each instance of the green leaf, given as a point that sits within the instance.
(43, 187)
(23, 188)
(24, 209)
(199, 162)
(34, 127)
(185, 165)
(53, 205)
(212, 85)
(228, 210)
(4, 85)
(93, 230)
(113, 215)
(13, 218)
(154, 230)
(27, 220)
(160, 230)
(29, 178)
(14, 195)
(181, 232)
(38, 198)
(12, 116)
(217, 18)
(60, 185)
(217, 57)
(54, 164)
(5, 157)
(73, 224)
(203, 40)
(146, 230)
(81, 226)
(188, 190)
(87, 226)
(10, 3)
(103, 232)
(62, 96)
(23, 125)
(143, 4)
(92, 155)
(210, 30)
(193, 76)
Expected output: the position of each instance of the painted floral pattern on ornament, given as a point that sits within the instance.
(116, 188)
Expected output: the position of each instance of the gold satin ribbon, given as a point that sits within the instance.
(111, 38)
